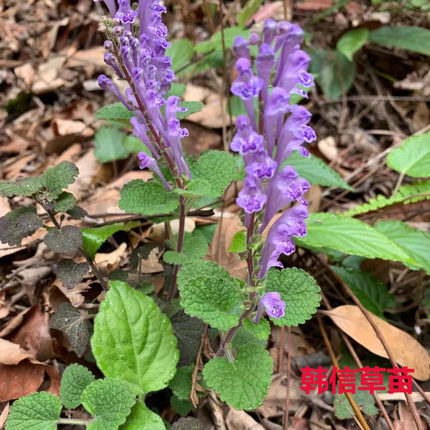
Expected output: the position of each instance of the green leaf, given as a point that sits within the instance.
(93, 238)
(115, 112)
(37, 411)
(70, 273)
(412, 157)
(18, 224)
(65, 202)
(212, 172)
(350, 236)
(110, 401)
(133, 340)
(245, 337)
(215, 42)
(238, 243)
(192, 108)
(180, 51)
(109, 144)
(260, 330)
(73, 383)
(20, 187)
(195, 247)
(243, 383)
(147, 198)
(74, 323)
(316, 171)
(64, 241)
(406, 194)
(299, 292)
(182, 382)
(371, 292)
(409, 37)
(333, 72)
(415, 242)
(247, 11)
(188, 423)
(141, 418)
(188, 331)
(177, 89)
(208, 292)
(181, 407)
(58, 177)
(352, 41)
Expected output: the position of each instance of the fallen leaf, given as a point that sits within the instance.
(11, 353)
(48, 76)
(221, 242)
(240, 420)
(20, 380)
(266, 11)
(74, 295)
(157, 232)
(55, 380)
(4, 414)
(63, 127)
(405, 420)
(13, 323)
(406, 350)
(314, 4)
(88, 57)
(328, 148)
(110, 261)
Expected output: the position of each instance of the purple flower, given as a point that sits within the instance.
(147, 162)
(273, 304)
(241, 47)
(125, 13)
(246, 140)
(251, 198)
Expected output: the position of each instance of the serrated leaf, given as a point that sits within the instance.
(352, 41)
(20, 187)
(188, 331)
(238, 243)
(195, 247)
(415, 242)
(71, 273)
(410, 37)
(182, 382)
(333, 72)
(215, 42)
(109, 144)
(192, 107)
(110, 401)
(94, 237)
(17, 224)
(64, 241)
(115, 112)
(244, 383)
(141, 418)
(350, 236)
(247, 11)
(371, 292)
(208, 292)
(299, 292)
(214, 169)
(133, 340)
(38, 411)
(406, 194)
(244, 337)
(65, 202)
(316, 171)
(74, 324)
(58, 177)
(147, 198)
(188, 423)
(412, 158)
(73, 383)
(260, 330)
(180, 51)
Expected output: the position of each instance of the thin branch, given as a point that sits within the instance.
(193, 396)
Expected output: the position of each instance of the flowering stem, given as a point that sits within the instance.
(180, 244)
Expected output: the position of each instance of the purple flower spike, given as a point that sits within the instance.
(251, 198)
(241, 47)
(125, 13)
(147, 162)
(273, 304)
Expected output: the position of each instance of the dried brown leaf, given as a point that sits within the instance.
(406, 350)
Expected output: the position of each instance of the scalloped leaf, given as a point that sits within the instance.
(245, 382)
(210, 293)
(58, 177)
(110, 401)
(73, 383)
(182, 382)
(66, 240)
(18, 224)
(260, 330)
(20, 187)
(37, 411)
(147, 198)
(133, 339)
(142, 418)
(412, 158)
(406, 194)
(71, 273)
(65, 202)
(299, 292)
(195, 247)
